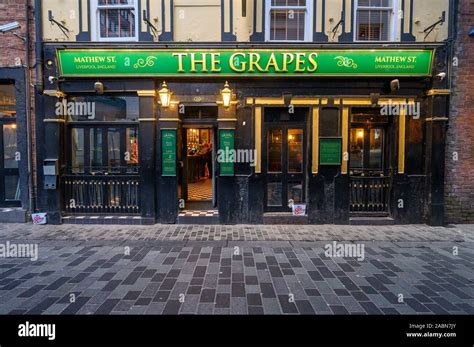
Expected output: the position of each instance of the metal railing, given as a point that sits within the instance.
(370, 194)
(101, 194)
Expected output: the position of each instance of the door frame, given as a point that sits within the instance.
(385, 144)
(7, 172)
(383, 175)
(285, 176)
(198, 124)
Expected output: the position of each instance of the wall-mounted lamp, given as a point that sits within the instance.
(165, 95)
(471, 33)
(226, 95)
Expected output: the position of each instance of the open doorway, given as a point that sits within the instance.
(198, 170)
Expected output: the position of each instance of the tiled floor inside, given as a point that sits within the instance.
(201, 190)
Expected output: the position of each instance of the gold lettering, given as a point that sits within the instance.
(272, 62)
(235, 59)
(254, 59)
(288, 58)
(299, 62)
(180, 60)
(195, 61)
(215, 62)
(312, 60)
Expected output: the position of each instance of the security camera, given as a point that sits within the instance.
(99, 87)
(441, 76)
(9, 27)
(52, 79)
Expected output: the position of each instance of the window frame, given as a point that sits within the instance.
(95, 22)
(308, 27)
(394, 26)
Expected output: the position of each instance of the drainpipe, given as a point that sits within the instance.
(39, 47)
(28, 86)
(39, 86)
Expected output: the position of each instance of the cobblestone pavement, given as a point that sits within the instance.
(175, 269)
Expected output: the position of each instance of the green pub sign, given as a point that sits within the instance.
(166, 62)
(330, 151)
(226, 155)
(168, 147)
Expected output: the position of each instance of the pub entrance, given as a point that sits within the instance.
(197, 169)
(284, 158)
(370, 170)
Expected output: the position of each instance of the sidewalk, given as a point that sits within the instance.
(173, 232)
(174, 269)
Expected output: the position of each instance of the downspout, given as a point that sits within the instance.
(28, 86)
(39, 86)
(39, 47)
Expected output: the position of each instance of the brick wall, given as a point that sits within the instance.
(460, 174)
(11, 46)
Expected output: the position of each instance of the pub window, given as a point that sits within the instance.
(330, 122)
(9, 168)
(103, 134)
(116, 20)
(376, 20)
(288, 20)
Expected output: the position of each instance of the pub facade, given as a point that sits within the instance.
(244, 112)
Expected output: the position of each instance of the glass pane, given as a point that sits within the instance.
(77, 150)
(114, 149)
(376, 147)
(101, 108)
(115, 2)
(357, 148)
(329, 122)
(288, 2)
(295, 150)
(132, 146)
(96, 145)
(274, 194)
(274, 150)
(287, 25)
(295, 192)
(375, 3)
(12, 188)
(9, 146)
(117, 23)
(373, 25)
(7, 101)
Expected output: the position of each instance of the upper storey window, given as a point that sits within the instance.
(375, 20)
(288, 20)
(116, 20)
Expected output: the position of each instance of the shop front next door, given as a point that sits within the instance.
(284, 164)
(369, 177)
(9, 173)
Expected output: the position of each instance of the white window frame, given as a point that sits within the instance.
(394, 33)
(308, 28)
(95, 22)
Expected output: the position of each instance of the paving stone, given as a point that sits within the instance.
(274, 261)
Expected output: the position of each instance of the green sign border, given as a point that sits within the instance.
(168, 167)
(324, 159)
(226, 169)
(347, 68)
